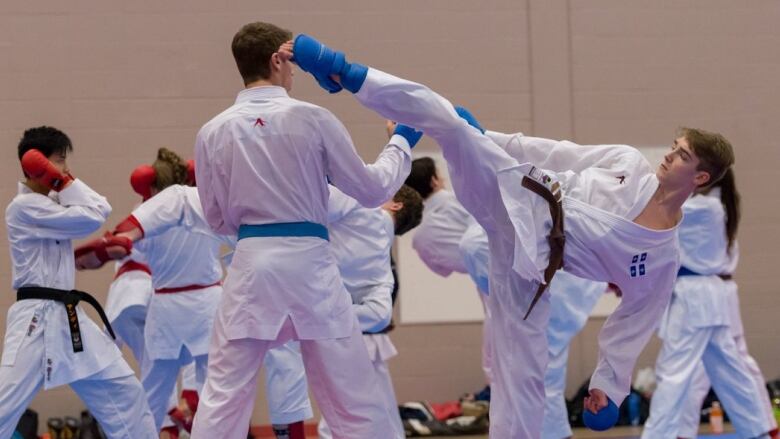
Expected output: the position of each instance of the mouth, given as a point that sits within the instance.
(663, 166)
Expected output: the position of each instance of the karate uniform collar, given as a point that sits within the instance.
(260, 93)
(24, 189)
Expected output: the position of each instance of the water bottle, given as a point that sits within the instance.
(716, 418)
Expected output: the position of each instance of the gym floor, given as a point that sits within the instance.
(626, 433)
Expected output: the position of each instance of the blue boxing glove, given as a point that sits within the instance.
(410, 134)
(322, 62)
(468, 117)
(605, 419)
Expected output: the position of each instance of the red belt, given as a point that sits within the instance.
(185, 288)
(132, 266)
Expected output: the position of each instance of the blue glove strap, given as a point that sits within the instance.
(410, 134)
(468, 117)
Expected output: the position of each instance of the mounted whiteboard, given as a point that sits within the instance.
(429, 298)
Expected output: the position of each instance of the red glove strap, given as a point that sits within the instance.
(128, 224)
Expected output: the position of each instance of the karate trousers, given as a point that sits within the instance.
(113, 396)
(684, 349)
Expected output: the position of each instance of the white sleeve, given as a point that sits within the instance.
(79, 213)
(163, 211)
(429, 256)
(501, 139)
(375, 311)
(624, 336)
(339, 204)
(210, 188)
(370, 184)
(563, 155)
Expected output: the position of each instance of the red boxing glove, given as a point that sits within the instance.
(120, 246)
(141, 179)
(191, 172)
(38, 168)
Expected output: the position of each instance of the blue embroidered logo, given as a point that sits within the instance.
(637, 265)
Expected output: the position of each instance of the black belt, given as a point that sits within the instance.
(556, 239)
(70, 299)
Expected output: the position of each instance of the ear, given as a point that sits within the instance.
(702, 178)
(276, 61)
(394, 206)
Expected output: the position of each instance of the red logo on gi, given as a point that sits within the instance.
(260, 122)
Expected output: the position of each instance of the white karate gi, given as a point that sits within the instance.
(264, 161)
(700, 383)
(181, 251)
(361, 240)
(602, 243)
(38, 352)
(571, 301)
(436, 239)
(128, 298)
(475, 253)
(695, 329)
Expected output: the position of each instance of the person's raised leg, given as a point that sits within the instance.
(473, 158)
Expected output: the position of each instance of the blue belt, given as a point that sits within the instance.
(299, 229)
(684, 271)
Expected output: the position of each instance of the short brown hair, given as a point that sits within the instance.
(253, 46)
(410, 214)
(169, 169)
(715, 153)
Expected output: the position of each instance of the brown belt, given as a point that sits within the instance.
(556, 239)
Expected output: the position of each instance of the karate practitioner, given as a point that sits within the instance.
(361, 240)
(571, 301)
(262, 169)
(49, 339)
(620, 227)
(131, 290)
(696, 326)
(183, 254)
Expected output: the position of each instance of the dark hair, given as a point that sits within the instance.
(47, 140)
(423, 170)
(410, 215)
(729, 197)
(169, 169)
(715, 153)
(253, 46)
